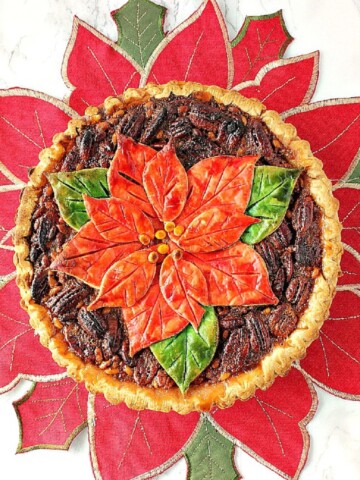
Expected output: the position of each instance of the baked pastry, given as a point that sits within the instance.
(76, 276)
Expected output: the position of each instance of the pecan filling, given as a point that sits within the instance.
(199, 128)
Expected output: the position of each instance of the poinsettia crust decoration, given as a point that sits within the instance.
(166, 242)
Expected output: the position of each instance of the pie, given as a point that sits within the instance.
(177, 247)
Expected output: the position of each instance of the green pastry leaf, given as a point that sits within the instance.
(269, 200)
(69, 188)
(210, 455)
(140, 27)
(185, 355)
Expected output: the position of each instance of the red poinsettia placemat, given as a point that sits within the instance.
(56, 409)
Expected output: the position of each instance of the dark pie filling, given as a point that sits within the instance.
(199, 128)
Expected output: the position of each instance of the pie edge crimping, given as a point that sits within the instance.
(205, 396)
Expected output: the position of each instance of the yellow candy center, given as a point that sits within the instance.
(163, 248)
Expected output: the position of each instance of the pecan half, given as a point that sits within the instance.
(299, 289)
(260, 340)
(282, 236)
(288, 264)
(180, 128)
(154, 125)
(258, 139)
(133, 123)
(93, 323)
(204, 116)
(282, 321)
(39, 286)
(236, 349)
(269, 254)
(145, 368)
(86, 142)
(231, 317)
(279, 282)
(303, 214)
(63, 304)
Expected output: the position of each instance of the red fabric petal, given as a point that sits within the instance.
(259, 41)
(349, 214)
(273, 423)
(28, 121)
(285, 83)
(118, 221)
(129, 159)
(350, 267)
(151, 320)
(88, 255)
(334, 359)
(9, 203)
(21, 354)
(126, 281)
(183, 286)
(198, 51)
(147, 439)
(331, 141)
(95, 68)
(166, 185)
(52, 414)
(215, 229)
(236, 276)
(6, 260)
(218, 181)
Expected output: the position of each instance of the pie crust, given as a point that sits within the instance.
(205, 396)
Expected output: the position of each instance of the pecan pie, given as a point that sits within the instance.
(162, 149)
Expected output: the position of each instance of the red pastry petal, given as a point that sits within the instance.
(21, 353)
(218, 181)
(184, 286)
(118, 221)
(129, 159)
(332, 142)
(236, 276)
(126, 282)
(51, 415)
(215, 229)
(198, 50)
(130, 192)
(165, 182)
(151, 320)
(259, 41)
(285, 83)
(334, 360)
(105, 69)
(88, 255)
(137, 450)
(272, 425)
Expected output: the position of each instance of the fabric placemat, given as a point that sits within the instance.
(272, 426)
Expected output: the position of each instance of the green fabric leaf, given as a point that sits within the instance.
(269, 200)
(185, 355)
(140, 27)
(69, 188)
(354, 176)
(210, 455)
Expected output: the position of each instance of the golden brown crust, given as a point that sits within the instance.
(205, 396)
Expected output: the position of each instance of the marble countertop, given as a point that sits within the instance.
(33, 37)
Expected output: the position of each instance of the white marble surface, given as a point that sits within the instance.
(33, 37)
